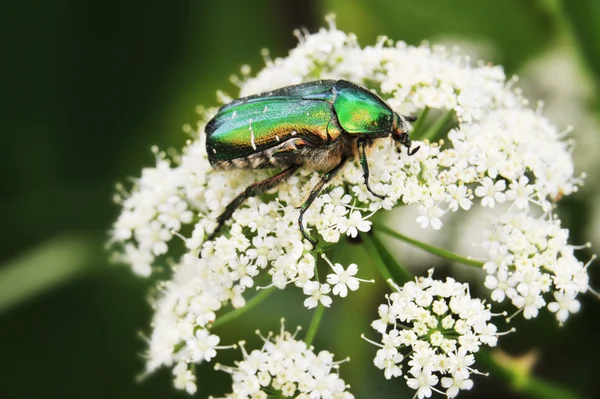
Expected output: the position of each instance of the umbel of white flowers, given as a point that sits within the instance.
(289, 366)
(439, 327)
(501, 154)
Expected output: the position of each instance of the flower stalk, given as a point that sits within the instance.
(314, 324)
(232, 315)
(442, 253)
(376, 259)
(439, 127)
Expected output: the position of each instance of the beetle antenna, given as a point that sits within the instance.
(410, 118)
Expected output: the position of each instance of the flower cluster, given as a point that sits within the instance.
(530, 257)
(499, 152)
(435, 327)
(289, 367)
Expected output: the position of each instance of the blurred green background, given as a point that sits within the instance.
(92, 85)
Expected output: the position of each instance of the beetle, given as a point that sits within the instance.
(320, 125)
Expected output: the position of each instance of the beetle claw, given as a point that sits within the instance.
(381, 197)
(414, 150)
(304, 234)
(311, 240)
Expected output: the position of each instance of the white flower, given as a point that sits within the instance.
(153, 236)
(491, 192)
(336, 197)
(565, 304)
(501, 285)
(387, 359)
(458, 197)
(287, 365)
(423, 381)
(352, 225)
(317, 293)
(243, 272)
(460, 363)
(202, 345)
(263, 251)
(173, 212)
(520, 192)
(380, 325)
(430, 215)
(455, 384)
(140, 260)
(184, 378)
(342, 280)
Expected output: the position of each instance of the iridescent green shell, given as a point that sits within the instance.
(318, 113)
(361, 112)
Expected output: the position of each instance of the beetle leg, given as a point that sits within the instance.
(362, 153)
(314, 193)
(252, 191)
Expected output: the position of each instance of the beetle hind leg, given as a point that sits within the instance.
(362, 152)
(314, 193)
(252, 190)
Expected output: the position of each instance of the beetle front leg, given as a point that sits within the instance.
(314, 193)
(252, 191)
(362, 153)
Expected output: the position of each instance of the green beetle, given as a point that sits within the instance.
(318, 124)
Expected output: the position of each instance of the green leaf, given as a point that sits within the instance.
(582, 17)
(48, 266)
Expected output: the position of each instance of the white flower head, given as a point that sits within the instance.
(500, 152)
(535, 260)
(437, 326)
(285, 364)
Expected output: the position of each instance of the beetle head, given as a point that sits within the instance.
(400, 132)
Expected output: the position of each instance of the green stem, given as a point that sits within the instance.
(518, 377)
(436, 130)
(418, 125)
(318, 314)
(442, 253)
(314, 324)
(377, 259)
(400, 274)
(251, 303)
